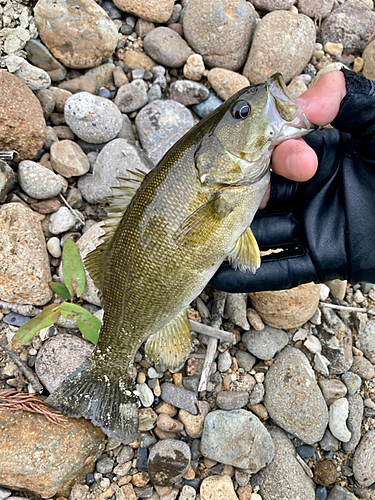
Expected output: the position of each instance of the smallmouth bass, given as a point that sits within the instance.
(166, 236)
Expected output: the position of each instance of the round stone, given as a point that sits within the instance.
(93, 119)
(68, 159)
(226, 83)
(168, 461)
(132, 96)
(362, 367)
(61, 221)
(37, 181)
(166, 47)
(217, 488)
(54, 247)
(86, 34)
(156, 11)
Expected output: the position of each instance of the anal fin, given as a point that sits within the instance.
(245, 253)
(169, 348)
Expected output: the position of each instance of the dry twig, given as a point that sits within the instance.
(26, 371)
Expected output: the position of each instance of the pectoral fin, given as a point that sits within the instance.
(169, 348)
(245, 253)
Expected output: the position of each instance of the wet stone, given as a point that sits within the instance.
(168, 461)
(232, 400)
(265, 344)
(179, 398)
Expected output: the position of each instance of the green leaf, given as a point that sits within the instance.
(73, 311)
(90, 328)
(46, 318)
(60, 290)
(73, 271)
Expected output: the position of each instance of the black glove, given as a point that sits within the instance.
(326, 226)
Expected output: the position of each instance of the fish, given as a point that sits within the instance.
(166, 235)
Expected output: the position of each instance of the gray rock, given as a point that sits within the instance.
(266, 343)
(222, 34)
(224, 361)
(206, 107)
(284, 478)
(351, 24)
(47, 101)
(93, 119)
(188, 92)
(61, 221)
(35, 78)
(366, 340)
(256, 394)
(68, 159)
(293, 398)
(7, 179)
(245, 360)
(316, 9)
(104, 465)
(354, 422)
(180, 398)
(168, 461)
(332, 389)
(340, 493)
(154, 93)
(132, 96)
(270, 5)
(59, 357)
(237, 438)
(362, 367)
(232, 400)
(126, 454)
(40, 56)
(37, 181)
(102, 75)
(113, 161)
(166, 47)
(126, 130)
(235, 307)
(4, 493)
(329, 442)
(51, 137)
(364, 460)
(336, 339)
(352, 381)
(283, 42)
(160, 124)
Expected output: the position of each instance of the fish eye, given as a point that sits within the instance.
(241, 110)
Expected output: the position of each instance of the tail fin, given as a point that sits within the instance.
(108, 404)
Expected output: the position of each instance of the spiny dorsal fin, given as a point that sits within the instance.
(245, 252)
(118, 203)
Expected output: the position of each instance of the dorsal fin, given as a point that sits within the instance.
(118, 203)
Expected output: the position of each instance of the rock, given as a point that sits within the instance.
(25, 271)
(313, 344)
(235, 307)
(114, 161)
(284, 476)
(57, 456)
(54, 247)
(146, 395)
(168, 461)
(245, 360)
(188, 92)
(329, 442)
(179, 397)
(232, 400)
(22, 124)
(132, 96)
(125, 455)
(229, 20)
(166, 47)
(237, 438)
(138, 60)
(337, 287)
(366, 340)
(104, 465)
(41, 57)
(297, 87)
(283, 42)
(37, 181)
(351, 24)
(147, 419)
(332, 389)
(35, 78)
(206, 107)
(160, 124)
(80, 84)
(287, 308)
(293, 398)
(369, 61)
(47, 102)
(226, 83)
(325, 473)
(87, 36)
(256, 395)
(7, 180)
(59, 357)
(188, 493)
(93, 119)
(316, 9)
(352, 381)
(61, 221)
(194, 67)
(224, 361)
(354, 422)
(102, 75)
(168, 424)
(46, 207)
(68, 159)
(340, 493)
(362, 367)
(217, 488)
(338, 413)
(269, 5)
(364, 460)
(265, 344)
(156, 11)
(194, 423)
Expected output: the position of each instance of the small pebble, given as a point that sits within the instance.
(338, 413)
(104, 465)
(146, 395)
(54, 247)
(321, 492)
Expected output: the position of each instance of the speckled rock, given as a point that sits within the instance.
(287, 308)
(24, 264)
(366, 340)
(37, 181)
(102, 75)
(351, 24)
(316, 9)
(369, 61)
(332, 389)
(188, 92)
(7, 180)
(220, 31)
(35, 78)
(232, 400)
(168, 461)
(87, 36)
(237, 438)
(93, 119)
(194, 423)
(59, 357)
(269, 5)
(68, 159)
(56, 456)
(235, 307)
(132, 96)
(156, 11)
(179, 397)
(160, 124)
(340, 493)
(266, 343)
(283, 42)
(194, 67)
(226, 83)
(364, 460)
(293, 398)
(362, 367)
(22, 124)
(284, 477)
(61, 221)
(166, 47)
(354, 422)
(217, 488)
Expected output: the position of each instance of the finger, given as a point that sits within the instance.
(295, 160)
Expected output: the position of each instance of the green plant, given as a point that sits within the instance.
(74, 278)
